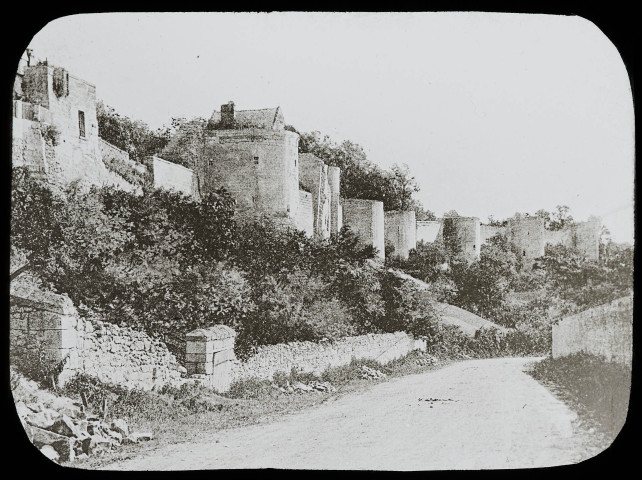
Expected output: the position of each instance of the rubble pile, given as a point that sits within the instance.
(63, 429)
(426, 360)
(367, 373)
(313, 386)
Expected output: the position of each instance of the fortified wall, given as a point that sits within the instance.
(55, 135)
(313, 176)
(401, 232)
(467, 229)
(366, 219)
(527, 233)
(429, 231)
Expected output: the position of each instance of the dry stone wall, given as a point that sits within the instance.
(49, 323)
(606, 330)
(317, 357)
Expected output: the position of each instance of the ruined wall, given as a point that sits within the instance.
(606, 330)
(258, 167)
(587, 238)
(488, 231)
(49, 323)
(468, 231)
(316, 357)
(558, 237)
(527, 233)
(336, 210)
(366, 219)
(401, 232)
(172, 176)
(305, 213)
(313, 175)
(54, 97)
(429, 231)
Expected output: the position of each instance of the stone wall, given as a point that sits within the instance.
(606, 330)
(587, 238)
(527, 233)
(429, 231)
(313, 176)
(401, 232)
(305, 214)
(336, 211)
(172, 176)
(49, 323)
(317, 357)
(366, 219)
(468, 231)
(488, 231)
(260, 168)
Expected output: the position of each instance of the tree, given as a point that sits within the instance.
(561, 218)
(133, 136)
(404, 186)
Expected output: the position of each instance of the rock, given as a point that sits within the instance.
(63, 445)
(117, 437)
(40, 420)
(301, 386)
(119, 425)
(136, 437)
(23, 410)
(49, 452)
(35, 407)
(65, 426)
(98, 443)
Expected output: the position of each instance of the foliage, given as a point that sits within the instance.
(557, 220)
(133, 136)
(50, 133)
(34, 364)
(360, 178)
(129, 172)
(599, 390)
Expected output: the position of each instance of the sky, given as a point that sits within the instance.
(493, 113)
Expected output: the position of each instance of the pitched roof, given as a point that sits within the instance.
(267, 118)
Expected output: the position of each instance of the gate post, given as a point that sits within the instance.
(210, 352)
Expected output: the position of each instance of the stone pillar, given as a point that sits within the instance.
(45, 323)
(210, 352)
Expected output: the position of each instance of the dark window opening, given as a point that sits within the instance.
(81, 123)
(256, 160)
(210, 162)
(524, 252)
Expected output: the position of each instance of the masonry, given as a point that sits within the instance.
(366, 219)
(401, 232)
(48, 324)
(217, 367)
(606, 331)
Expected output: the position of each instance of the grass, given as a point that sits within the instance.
(197, 413)
(598, 391)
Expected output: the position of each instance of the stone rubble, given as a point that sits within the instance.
(313, 386)
(63, 430)
(367, 372)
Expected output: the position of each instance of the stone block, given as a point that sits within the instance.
(198, 368)
(64, 339)
(18, 320)
(223, 356)
(201, 346)
(199, 357)
(44, 320)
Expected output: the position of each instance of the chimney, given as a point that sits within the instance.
(227, 114)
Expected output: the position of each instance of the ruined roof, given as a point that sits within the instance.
(266, 118)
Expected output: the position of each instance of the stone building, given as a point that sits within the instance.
(527, 233)
(366, 219)
(250, 153)
(401, 232)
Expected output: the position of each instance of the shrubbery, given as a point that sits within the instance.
(168, 265)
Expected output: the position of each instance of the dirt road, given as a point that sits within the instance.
(476, 414)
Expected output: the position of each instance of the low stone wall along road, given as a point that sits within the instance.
(476, 414)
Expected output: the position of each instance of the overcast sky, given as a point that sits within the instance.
(493, 113)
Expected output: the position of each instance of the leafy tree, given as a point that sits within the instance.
(133, 136)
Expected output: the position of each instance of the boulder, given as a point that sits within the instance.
(63, 445)
(65, 426)
(44, 419)
(119, 425)
(49, 452)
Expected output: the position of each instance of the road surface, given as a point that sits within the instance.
(475, 414)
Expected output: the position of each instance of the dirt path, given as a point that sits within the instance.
(475, 414)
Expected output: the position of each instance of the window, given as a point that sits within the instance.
(256, 160)
(81, 123)
(524, 252)
(210, 162)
